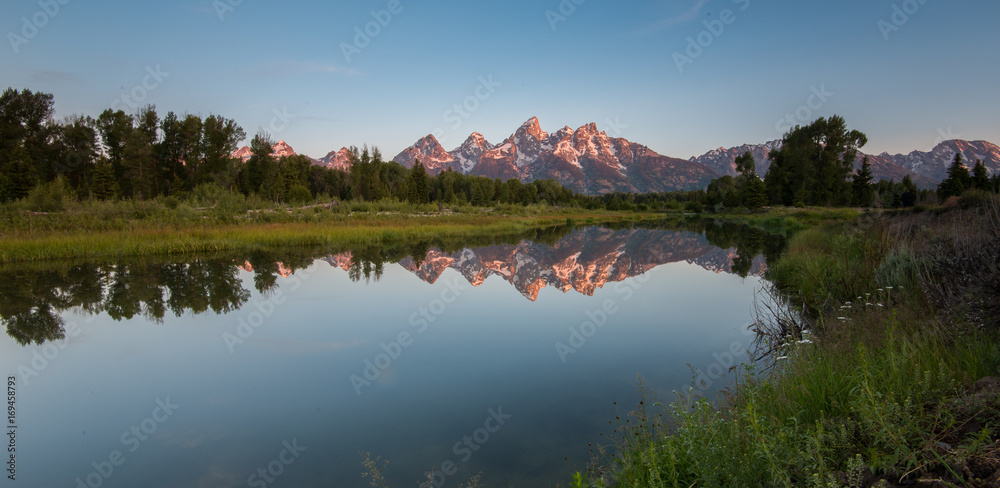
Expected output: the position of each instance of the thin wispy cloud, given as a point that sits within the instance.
(687, 16)
(296, 68)
(50, 76)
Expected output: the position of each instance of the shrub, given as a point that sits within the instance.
(170, 202)
(899, 269)
(977, 199)
(298, 194)
(50, 197)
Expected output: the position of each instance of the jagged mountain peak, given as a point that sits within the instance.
(586, 160)
(585, 260)
(431, 154)
(279, 150)
(477, 139)
(468, 154)
(428, 141)
(533, 128)
(340, 159)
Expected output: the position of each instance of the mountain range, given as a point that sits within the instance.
(589, 161)
(584, 261)
(585, 159)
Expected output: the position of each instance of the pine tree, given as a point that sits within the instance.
(102, 182)
(862, 184)
(754, 194)
(418, 184)
(980, 176)
(957, 182)
(21, 172)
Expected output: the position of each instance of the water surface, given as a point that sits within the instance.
(500, 356)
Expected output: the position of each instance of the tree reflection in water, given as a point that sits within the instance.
(33, 296)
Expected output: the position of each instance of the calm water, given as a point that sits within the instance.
(276, 369)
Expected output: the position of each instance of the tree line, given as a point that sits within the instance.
(815, 167)
(144, 156)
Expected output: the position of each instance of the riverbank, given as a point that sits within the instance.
(167, 226)
(890, 380)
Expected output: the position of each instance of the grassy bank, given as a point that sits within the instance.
(165, 226)
(889, 379)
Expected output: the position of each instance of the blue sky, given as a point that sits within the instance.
(907, 82)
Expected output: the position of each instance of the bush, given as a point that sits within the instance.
(978, 199)
(298, 194)
(170, 202)
(899, 269)
(50, 197)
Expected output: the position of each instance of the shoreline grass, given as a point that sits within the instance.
(156, 237)
(898, 385)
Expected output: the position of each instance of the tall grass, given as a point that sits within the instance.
(881, 395)
(223, 221)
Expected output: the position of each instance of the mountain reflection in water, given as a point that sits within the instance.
(32, 297)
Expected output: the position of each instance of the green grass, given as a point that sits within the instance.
(878, 396)
(878, 399)
(241, 237)
(233, 223)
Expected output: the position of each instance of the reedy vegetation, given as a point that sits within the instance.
(902, 310)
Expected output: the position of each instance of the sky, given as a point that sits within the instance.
(680, 76)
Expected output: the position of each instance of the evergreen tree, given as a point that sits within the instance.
(754, 195)
(21, 172)
(140, 155)
(102, 182)
(980, 176)
(862, 184)
(957, 182)
(418, 184)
